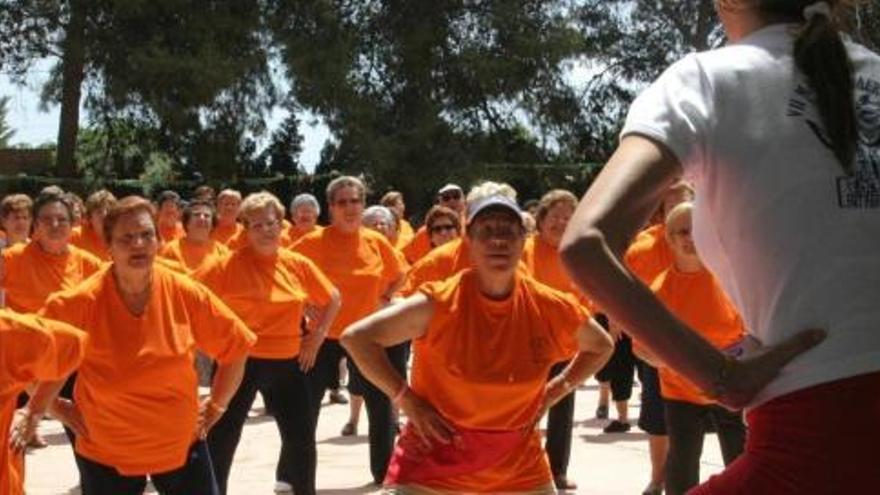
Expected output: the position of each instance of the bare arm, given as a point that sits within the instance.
(594, 349)
(366, 341)
(226, 381)
(322, 317)
(626, 192)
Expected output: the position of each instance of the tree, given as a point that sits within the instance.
(282, 154)
(177, 63)
(409, 88)
(6, 132)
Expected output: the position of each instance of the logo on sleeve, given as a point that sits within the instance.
(861, 189)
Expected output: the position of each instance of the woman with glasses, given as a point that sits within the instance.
(450, 196)
(269, 287)
(30, 272)
(443, 225)
(135, 408)
(486, 340)
(365, 268)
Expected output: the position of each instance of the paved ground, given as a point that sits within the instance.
(600, 464)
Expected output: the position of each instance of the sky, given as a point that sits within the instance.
(33, 126)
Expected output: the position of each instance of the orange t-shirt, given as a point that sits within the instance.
(137, 386)
(192, 255)
(361, 265)
(544, 264)
(405, 234)
(31, 274)
(697, 300)
(292, 234)
(483, 364)
(419, 246)
(90, 241)
(649, 254)
(31, 349)
(168, 233)
(268, 293)
(224, 233)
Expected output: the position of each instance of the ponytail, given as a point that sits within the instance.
(820, 54)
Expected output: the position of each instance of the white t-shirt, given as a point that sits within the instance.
(794, 241)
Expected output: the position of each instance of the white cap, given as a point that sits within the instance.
(496, 200)
(450, 187)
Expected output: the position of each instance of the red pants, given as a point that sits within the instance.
(820, 440)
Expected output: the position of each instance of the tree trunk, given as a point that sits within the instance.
(72, 74)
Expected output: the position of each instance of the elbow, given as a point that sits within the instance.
(580, 245)
(348, 339)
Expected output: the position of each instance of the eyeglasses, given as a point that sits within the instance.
(446, 227)
(681, 232)
(450, 196)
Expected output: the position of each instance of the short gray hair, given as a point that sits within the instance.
(345, 181)
(305, 199)
(379, 212)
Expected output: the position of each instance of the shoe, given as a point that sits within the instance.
(653, 489)
(283, 487)
(337, 397)
(617, 427)
(563, 483)
(350, 429)
(602, 411)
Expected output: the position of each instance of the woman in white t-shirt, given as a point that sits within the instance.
(780, 133)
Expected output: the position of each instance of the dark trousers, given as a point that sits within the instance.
(380, 414)
(287, 384)
(620, 370)
(685, 424)
(560, 422)
(193, 478)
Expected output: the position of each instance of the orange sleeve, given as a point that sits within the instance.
(564, 315)
(33, 348)
(418, 247)
(393, 267)
(318, 287)
(217, 330)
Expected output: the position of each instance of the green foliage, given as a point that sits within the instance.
(6, 132)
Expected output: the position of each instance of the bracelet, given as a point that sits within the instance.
(400, 393)
(217, 407)
(719, 385)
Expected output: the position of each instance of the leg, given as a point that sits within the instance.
(382, 429)
(354, 415)
(322, 375)
(653, 421)
(196, 477)
(293, 416)
(223, 438)
(731, 432)
(684, 422)
(560, 422)
(621, 369)
(98, 479)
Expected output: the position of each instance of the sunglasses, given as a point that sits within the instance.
(436, 229)
(450, 196)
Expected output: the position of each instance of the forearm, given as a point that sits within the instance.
(226, 381)
(43, 396)
(373, 362)
(631, 304)
(328, 314)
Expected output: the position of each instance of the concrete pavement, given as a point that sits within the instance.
(605, 464)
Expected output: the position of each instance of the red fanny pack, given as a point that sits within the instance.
(474, 451)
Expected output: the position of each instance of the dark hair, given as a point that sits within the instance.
(188, 211)
(126, 206)
(437, 212)
(49, 197)
(819, 53)
(167, 196)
